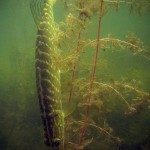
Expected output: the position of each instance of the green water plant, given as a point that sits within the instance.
(96, 97)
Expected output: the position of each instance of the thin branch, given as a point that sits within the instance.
(94, 126)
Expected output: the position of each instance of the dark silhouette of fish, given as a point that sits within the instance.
(48, 74)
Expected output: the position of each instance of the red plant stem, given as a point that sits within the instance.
(92, 78)
(74, 68)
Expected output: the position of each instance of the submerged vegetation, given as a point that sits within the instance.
(106, 105)
(97, 99)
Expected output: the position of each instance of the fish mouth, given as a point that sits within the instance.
(56, 143)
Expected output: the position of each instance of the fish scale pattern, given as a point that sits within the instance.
(48, 79)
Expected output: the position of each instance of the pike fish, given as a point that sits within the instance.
(48, 74)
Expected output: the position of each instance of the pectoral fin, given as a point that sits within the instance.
(68, 108)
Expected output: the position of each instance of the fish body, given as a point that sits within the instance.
(48, 75)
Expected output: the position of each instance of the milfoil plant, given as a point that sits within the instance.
(95, 98)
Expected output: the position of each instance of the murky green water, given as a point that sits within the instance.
(119, 74)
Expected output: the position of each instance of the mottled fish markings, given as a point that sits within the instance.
(48, 75)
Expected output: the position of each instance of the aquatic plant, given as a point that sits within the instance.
(106, 105)
(117, 100)
(95, 96)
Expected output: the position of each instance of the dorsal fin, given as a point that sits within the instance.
(36, 7)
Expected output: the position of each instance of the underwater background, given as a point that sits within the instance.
(20, 122)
